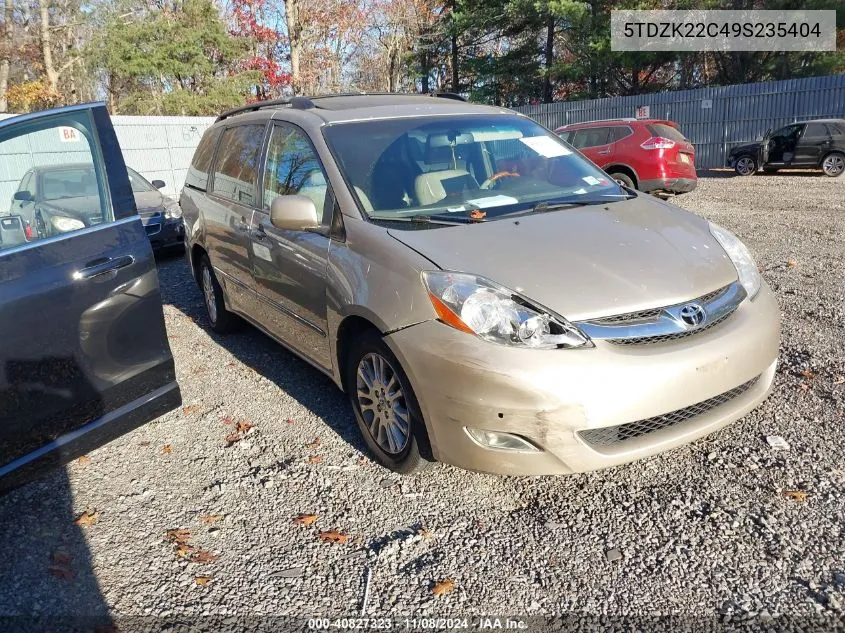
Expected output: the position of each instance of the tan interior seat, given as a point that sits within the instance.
(429, 187)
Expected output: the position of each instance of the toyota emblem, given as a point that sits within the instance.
(692, 314)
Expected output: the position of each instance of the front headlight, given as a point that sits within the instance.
(749, 274)
(173, 211)
(478, 306)
(66, 224)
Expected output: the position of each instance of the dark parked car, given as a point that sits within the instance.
(650, 155)
(54, 199)
(819, 144)
(84, 355)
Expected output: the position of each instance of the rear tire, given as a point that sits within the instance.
(833, 164)
(385, 406)
(746, 165)
(219, 318)
(623, 179)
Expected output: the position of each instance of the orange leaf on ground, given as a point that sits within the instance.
(202, 580)
(202, 556)
(193, 408)
(333, 536)
(314, 443)
(232, 438)
(84, 460)
(208, 519)
(289, 421)
(228, 420)
(305, 519)
(315, 459)
(179, 535)
(443, 587)
(166, 449)
(89, 517)
(807, 374)
(791, 263)
(243, 426)
(798, 495)
(183, 550)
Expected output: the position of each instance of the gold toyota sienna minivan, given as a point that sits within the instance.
(485, 295)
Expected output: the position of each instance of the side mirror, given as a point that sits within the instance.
(22, 196)
(158, 184)
(294, 213)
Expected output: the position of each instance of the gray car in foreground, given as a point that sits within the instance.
(531, 319)
(84, 355)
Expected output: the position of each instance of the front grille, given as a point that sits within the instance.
(648, 340)
(613, 435)
(654, 313)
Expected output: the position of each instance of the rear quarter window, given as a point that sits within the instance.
(197, 176)
(666, 131)
(236, 165)
(815, 129)
(836, 129)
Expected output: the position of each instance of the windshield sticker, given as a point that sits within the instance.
(545, 146)
(493, 201)
(591, 180)
(456, 209)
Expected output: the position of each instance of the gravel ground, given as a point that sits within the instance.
(702, 531)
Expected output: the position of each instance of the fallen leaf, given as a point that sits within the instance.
(477, 214)
(315, 459)
(232, 438)
(61, 557)
(83, 460)
(839, 381)
(61, 572)
(424, 533)
(808, 374)
(243, 426)
(289, 421)
(791, 263)
(89, 517)
(179, 535)
(797, 495)
(202, 556)
(305, 519)
(314, 443)
(183, 550)
(166, 449)
(803, 387)
(193, 408)
(228, 420)
(202, 580)
(443, 587)
(208, 519)
(333, 536)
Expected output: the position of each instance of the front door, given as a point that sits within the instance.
(812, 142)
(84, 354)
(289, 267)
(596, 143)
(782, 143)
(228, 213)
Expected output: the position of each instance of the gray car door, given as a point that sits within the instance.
(289, 267)
(84, 354)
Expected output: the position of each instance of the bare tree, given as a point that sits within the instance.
(6, 52)
(294, 25)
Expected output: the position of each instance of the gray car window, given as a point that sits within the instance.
(815, 130)
(197, 176)
(50, 187)
(236, 165)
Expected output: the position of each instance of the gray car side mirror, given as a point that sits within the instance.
(22, 196)
(158, 184)
(294, 213)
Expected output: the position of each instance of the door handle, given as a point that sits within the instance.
(603, 152)
(101, 267)
(242, 225)
(258, 233)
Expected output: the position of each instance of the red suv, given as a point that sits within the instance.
(646, 154)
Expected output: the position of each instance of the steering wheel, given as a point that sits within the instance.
(491, 182)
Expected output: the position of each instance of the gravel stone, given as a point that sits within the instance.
(700, 535)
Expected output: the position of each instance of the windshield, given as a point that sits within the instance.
(139, 184)
(459, 165)
(68, 183)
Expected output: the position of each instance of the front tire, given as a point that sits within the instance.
(746, 165)
(221, 320)
(833, 164)
(623, 179)
(385, 406)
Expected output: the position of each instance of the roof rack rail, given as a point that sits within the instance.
(306, 103)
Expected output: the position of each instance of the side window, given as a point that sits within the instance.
(619, 132)
(197, 176)
(591, 137)
(236, 166)
(835, 129)
(53, 182)
(816, 130)
(293, 168)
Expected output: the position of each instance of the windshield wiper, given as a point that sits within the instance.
(421, 218)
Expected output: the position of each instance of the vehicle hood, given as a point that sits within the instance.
(83, 208)
(150, 203)
(587, 262)
(748, 148)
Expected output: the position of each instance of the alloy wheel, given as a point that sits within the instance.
(208, 293)
(834, 165)
(382, 403)
(745, 166)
